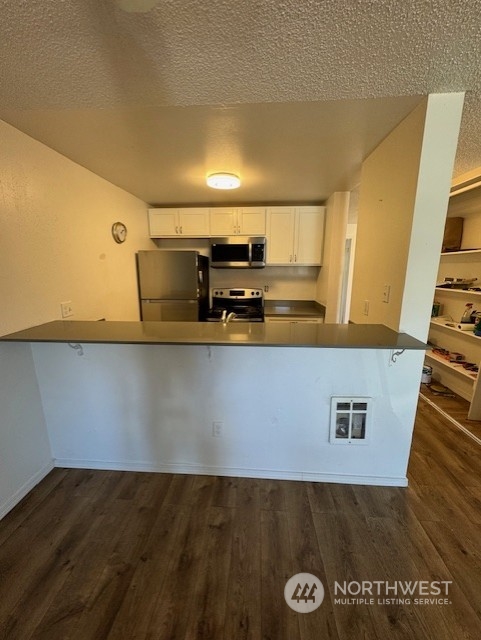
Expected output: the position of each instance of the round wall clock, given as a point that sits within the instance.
(119, 232)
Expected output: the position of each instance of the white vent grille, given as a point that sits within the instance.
(350, 420)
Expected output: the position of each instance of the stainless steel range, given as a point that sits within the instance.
(236, 305)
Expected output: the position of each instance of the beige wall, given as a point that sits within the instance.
(403, 201)
(55, 245)
(329, 283)
(55, 240)
(386, 203)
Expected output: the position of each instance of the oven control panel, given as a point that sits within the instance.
(237, 294)
(241, 305)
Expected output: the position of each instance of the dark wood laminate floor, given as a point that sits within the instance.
(94, 555)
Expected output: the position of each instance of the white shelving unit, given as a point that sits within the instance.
(466, 252)
(453, 366)
(457, 292)
(446, 324)
(465, 264)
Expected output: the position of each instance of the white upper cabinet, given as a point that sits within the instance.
(244, 221)
(295, 235)
(192, 222)
(309, 241)
(223, 221)
(280, 234)
(252, 221)
(163, 222)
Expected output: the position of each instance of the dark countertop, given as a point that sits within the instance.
(269, 334)
(298, 308)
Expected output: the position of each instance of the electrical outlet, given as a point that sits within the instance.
(66, 309)
(366, 307)
(217, 429)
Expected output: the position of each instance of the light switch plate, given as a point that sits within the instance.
(386, 293)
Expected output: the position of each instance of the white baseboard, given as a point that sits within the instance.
(235, 472)
(12, 502)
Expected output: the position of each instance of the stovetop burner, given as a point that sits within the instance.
(247, 305)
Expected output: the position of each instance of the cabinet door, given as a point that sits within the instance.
(252, 221)
(295, 320)
(223, 222)
(311, 320)
(280, 235)
(163, 222)
(309, 242)
(194, 222)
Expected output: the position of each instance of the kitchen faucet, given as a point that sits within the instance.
(227, 318)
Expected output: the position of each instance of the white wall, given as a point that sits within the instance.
(283, 283)
(329, 283)
(151, 408)
(347, 273)
(55, 246)
(403, 200)
(56, 242)
(386, 203)
(25, 456)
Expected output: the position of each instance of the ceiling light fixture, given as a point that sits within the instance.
(223, 181)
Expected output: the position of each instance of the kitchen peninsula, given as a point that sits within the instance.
(370, 336)
(235, 399)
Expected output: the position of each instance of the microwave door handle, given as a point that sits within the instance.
(250, 252)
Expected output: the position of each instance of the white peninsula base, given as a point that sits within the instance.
(158, 408)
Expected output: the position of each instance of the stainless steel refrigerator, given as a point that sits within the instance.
(173, 285)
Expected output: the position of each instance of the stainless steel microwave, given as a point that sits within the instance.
(238, 252)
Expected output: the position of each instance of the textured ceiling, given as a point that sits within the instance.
(290, 93)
